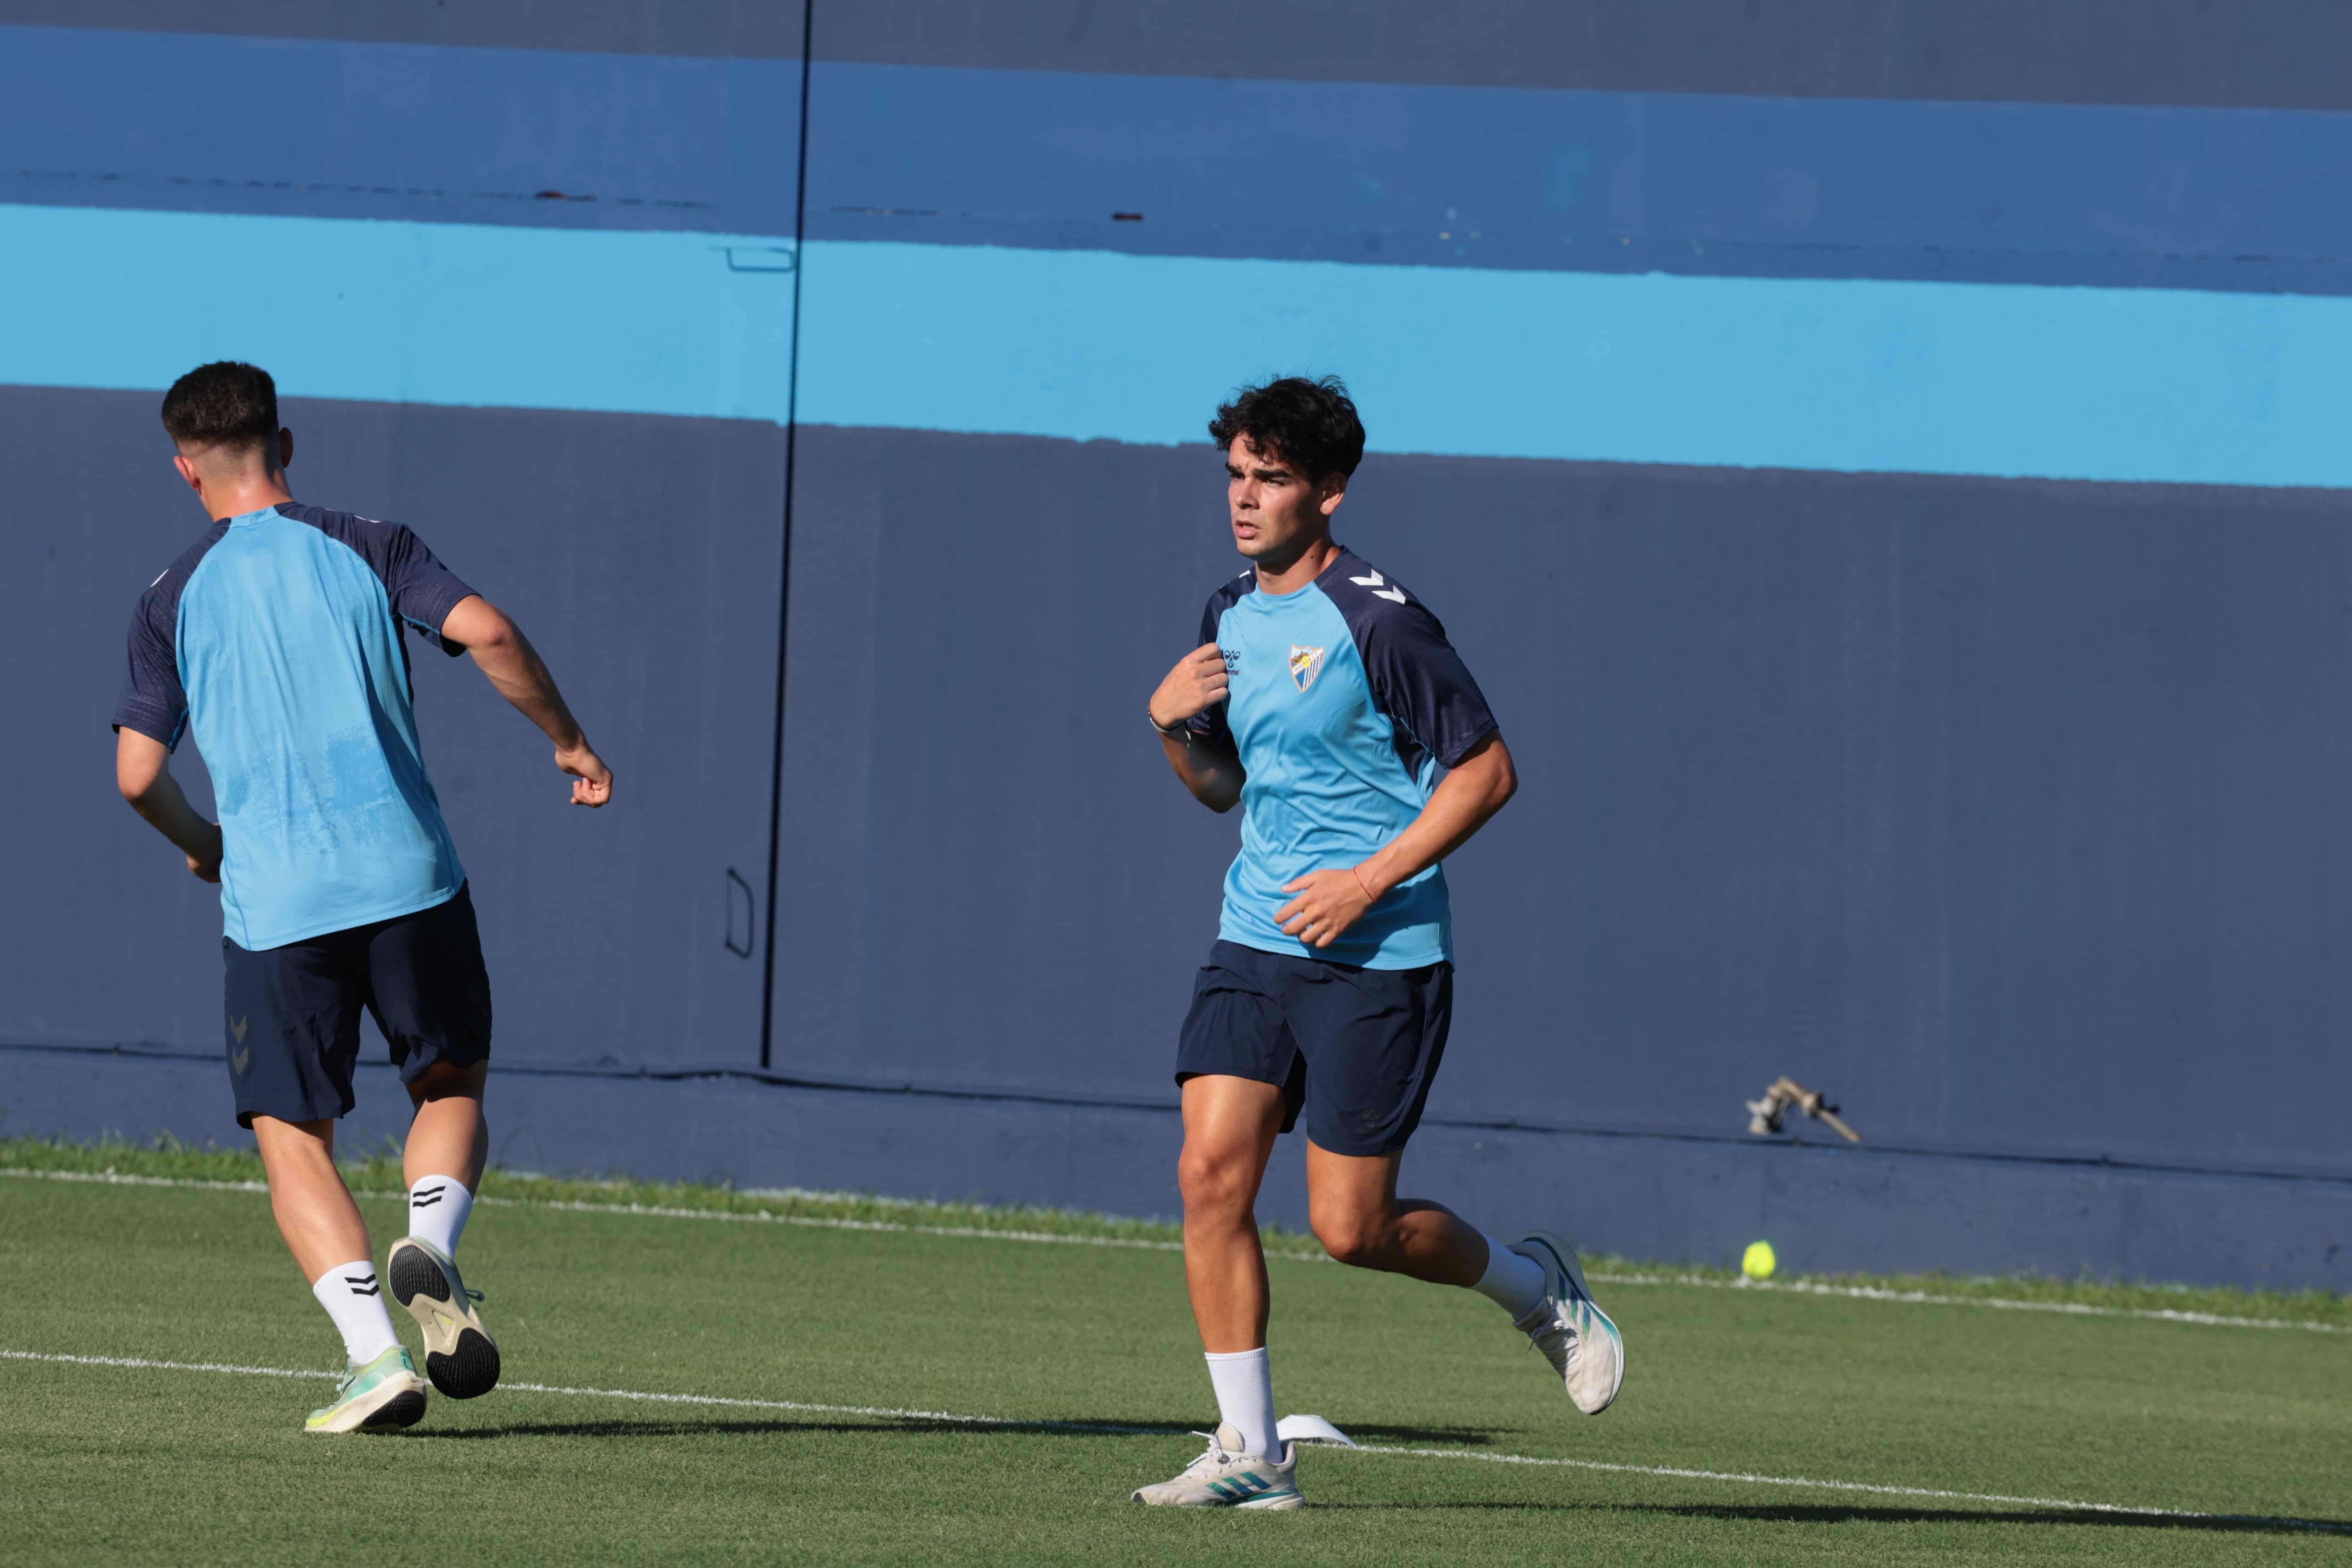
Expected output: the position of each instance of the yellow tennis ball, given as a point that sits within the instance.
(1758, 1262)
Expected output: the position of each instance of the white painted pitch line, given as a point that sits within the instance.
(1738, 1478)
(110, 1179)
(752, 1217)
(981, 1233)
(1921, 1297)
(141, 1363)
(133, 1361)
(821, 1222)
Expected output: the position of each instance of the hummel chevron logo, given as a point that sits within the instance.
(236, 1027)
(362, 1284)
(1394, 593)
(426, 1197)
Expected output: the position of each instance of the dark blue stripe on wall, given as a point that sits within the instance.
(181, 122)
(1395, 175)
(2244, 53)
(1583, 180)
(2247, 53)
(746, 29)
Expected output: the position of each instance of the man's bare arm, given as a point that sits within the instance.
(142, 772)
(514, 667)
(1212, 771)
(1329, 902)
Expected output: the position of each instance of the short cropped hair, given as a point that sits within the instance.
(224, 403)
(1311, 424)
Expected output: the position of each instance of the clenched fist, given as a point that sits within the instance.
(1198, 683)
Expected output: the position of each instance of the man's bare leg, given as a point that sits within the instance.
(1230, 1126)
(313, 1209)
(450, 1136)
(448, 1143)
(1352, 1205)
(328, 1240)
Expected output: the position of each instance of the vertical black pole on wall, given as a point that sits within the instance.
(784, 583)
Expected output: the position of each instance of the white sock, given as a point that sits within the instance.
(1244, 1386)
(438, 1207)
(352, 1297)
(1512, 1282)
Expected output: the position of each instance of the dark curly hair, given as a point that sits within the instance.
(224, 403)
(1312, 425)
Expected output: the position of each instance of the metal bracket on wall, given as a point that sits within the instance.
(739, 895)
(761, 257)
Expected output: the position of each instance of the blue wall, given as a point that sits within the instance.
(1885, 463)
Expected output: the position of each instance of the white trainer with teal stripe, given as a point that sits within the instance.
(1226, 1478)
(1574, 1335)
(384, 1396)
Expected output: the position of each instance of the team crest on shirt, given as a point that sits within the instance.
(1305, 663)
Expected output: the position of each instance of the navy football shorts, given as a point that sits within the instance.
(293, 1012)
(1355, 1048)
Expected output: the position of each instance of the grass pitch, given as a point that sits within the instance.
(1072, 1333)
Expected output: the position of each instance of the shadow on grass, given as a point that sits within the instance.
(767, 1428)
(1879, 1513)
(1766, 1513)
(1450, 1437)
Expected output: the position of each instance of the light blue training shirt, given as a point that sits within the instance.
(276, 639)
(1344, 700)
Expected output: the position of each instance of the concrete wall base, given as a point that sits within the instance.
(1666, 1198)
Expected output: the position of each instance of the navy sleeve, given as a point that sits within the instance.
(422, 592)
(1416, 677)
(1212, 722)
(152, 701)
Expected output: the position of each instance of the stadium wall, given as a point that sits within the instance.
(1883, 462)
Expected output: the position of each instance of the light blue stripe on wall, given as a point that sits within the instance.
(2092, 384)
(2119, 385)
(403, 312)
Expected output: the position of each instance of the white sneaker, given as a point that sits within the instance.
(1224, 1477)
(460, 1357)
(1574, 1335)
(384, 1396)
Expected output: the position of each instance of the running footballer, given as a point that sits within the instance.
(1325, 701)
(276, 639)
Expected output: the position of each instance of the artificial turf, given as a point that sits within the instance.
(105, 1463)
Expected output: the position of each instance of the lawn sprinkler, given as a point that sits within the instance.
(1764, 1115)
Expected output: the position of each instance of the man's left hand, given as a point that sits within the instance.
(1326, 904)
(592, 781)
(203, 864)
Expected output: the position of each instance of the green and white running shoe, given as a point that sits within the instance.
(459, 1355)
(384, 1396)
(1574, 1335)
(1226, 1478)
